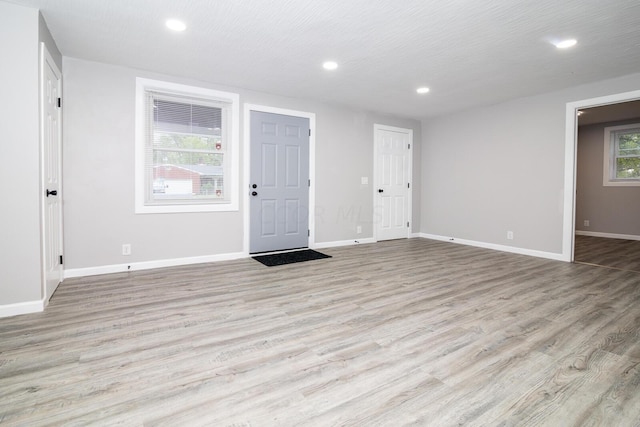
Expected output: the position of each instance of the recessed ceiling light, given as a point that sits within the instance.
(330, 65)
(175, 25)
(564, 44)
(422, 90)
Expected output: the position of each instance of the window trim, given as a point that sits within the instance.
(233, 151)
(609, 158)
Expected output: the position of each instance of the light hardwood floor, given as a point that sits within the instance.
(613, 253)
(401, 333)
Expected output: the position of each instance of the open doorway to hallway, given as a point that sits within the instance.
(607, 205)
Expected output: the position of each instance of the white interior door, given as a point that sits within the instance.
(51, 131)
(392, 192)
(279, 182)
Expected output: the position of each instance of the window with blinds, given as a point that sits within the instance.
(622, 155)
(187, 138)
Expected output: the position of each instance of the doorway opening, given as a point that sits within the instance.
(607, 226)
(573, 242)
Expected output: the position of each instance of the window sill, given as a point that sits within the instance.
(155, 209)
(635, 183)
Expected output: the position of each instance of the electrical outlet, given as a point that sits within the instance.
(126, 249)
(359, 229)
(509, 235)
(586, 222)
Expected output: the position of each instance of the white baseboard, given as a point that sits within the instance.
(496, 247)
(343, 243)
(147, 265)
(607, 235)
(30, 307)
(8, 310)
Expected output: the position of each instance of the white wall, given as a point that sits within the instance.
(19, 175)
(489, 170)
(98, 174)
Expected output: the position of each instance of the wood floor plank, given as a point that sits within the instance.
(620, 254)
(406, 332)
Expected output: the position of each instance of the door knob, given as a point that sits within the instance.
(380, 190)
(52, 193)
(254, 186)
(254, 193)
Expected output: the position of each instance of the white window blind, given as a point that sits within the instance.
(186, 149)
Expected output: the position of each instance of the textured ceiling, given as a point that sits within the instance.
(469, 52)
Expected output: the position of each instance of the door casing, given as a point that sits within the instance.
(247, 162)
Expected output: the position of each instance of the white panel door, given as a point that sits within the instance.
(279, 182)
(51, 131)
(392, 182)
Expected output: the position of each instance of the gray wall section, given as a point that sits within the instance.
(501, 168)
(609, 209)
(98, 174)
(20, 276)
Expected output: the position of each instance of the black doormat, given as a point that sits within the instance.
(290, 257)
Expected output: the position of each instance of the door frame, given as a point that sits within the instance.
(376, 129)
(47, 60)
(247, 162)
(570, 163)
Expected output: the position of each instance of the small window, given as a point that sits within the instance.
(622, 155)
(186, 148)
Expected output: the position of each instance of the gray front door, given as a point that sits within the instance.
(279, 182)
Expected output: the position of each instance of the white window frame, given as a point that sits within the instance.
(231, 156)
(609, 157)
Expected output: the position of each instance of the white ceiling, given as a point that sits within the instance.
(469, 52)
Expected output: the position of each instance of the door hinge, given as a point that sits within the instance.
(61, 260)
(309, 183)
(408, 185)
(309, 132)
(409, 146)
(308, 233)
(59, 102)
(407, 224)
